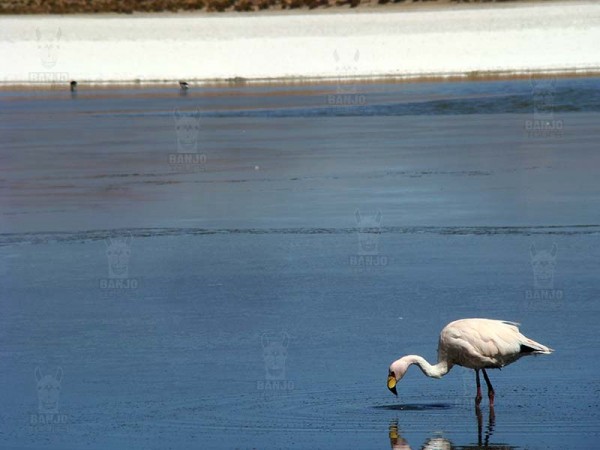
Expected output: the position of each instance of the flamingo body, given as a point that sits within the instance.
(485, 344)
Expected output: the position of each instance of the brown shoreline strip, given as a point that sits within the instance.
(291, 81)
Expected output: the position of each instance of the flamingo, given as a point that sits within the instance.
(476, 344)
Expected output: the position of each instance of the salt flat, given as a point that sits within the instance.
(513, 39)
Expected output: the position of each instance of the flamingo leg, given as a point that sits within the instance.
(478, 396)
(489, 386)
(479, 425)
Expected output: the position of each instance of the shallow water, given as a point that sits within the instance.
(239, 301)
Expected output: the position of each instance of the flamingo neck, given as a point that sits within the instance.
(435, 371)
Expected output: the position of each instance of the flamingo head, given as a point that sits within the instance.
(395, 374)
(391, 383)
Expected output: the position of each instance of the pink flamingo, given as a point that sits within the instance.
(477, 344)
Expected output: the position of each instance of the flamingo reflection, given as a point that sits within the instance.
(397, 442)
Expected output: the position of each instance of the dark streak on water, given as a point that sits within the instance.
(584, 99)
(415, 407)
(91, 235)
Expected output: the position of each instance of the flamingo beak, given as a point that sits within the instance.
(391, 384)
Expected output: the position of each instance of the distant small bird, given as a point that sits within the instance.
(477, 344)
(184, 85)
(73, 86)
